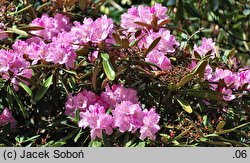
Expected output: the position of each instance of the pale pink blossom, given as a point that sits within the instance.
(118, 93)
(150, 124)
(128, 116)
(52, 25)
(6, 117)
(144, 15)
(228, 94)
(159, 59)
(97, 120)
(206, 46)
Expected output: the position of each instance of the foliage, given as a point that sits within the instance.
(140, 82)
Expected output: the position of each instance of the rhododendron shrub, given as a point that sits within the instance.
(88, 81)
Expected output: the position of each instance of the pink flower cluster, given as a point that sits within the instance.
(143, 14)
(12, 66)
(6, 117)
(206, 46)
(167, 44)
(223, 80)
(232, 81)
(52, 26)
(92, 31)
(63, 35)
(55, 52)
(126, 112)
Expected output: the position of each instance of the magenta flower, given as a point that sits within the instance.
(52, 25)
(61, 53)
(244, 76)
(97, 120)
(206, 46)
(12, 66)
(6, 117)
(118, 93)
(80, 101)
(92, 31)
(228, 96)
(159, 59)
(128, 116)
(167, 43)
(232, 80)
(150, 124)
(144, 15)
(34, 47)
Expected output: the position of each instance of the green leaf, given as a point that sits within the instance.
(95, 143)
(30, 28)
(105, 56)
(153, 45)
(78, 135)
(220, 125)
(201, 65)
(70, 71)
(29, 139)
(141, 144)
(26, 88)
(185, 80)
(229, 53)
(106, 140)
(18, 31)
(107, 66)
(22, 10)
(77, 113)
(205, 120)
(206, 94)
(57, 144)
(184, 104)
(20, 104)
(44, 88)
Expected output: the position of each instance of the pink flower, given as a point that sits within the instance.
(102, 29)
(52, 26)
(128, 116)
(206, 46)
(244, 77)
(6, 117)
(13, 65)
(150, 124)
(144, 15)
(92, 31)
(97, 120)
(80, 101)
(93, 56)
(167, 43)
(233, 80)
(61, 53)
(228, 96)
(118, 93)
(159, 59)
